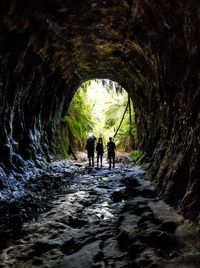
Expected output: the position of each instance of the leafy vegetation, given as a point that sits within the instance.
(118, 117)
(135, 154)
(104, 112)
(79, 118)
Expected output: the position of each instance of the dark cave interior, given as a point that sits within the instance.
(49, 48)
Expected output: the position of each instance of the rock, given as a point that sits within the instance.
(140, 209)
(41, 247)
(133, 192)
(167, 253)
(148, 258)
(74, 222)
(130, 182)
(148, 193)
(146, 262)
(169, 226)
(99, 256)
(125, 239)
(72, 233)
(70, 246)
(135, 248)
(118, 196)
(112, 251)
(159, 239)
(1, 184)
(98, 265)
(128, 225)
(148, 217)
(83, 258)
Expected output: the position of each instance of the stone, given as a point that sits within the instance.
(159, 239)
(169, 226)
(148, 193)
(133, 192)
(76, 222)
(83, 258)
(112, 251)
(125, 239)
(146, 218)
(1, 184)
(118, 196)
(41, 247)
(69, 234)
(135, 248)
(130, 182)
(140, 210)
(70, 246)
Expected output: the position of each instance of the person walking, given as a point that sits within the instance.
(99, 149)
(111, 152)
(90, 149)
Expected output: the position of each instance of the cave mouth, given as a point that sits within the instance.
(104, 108)
(48, 50)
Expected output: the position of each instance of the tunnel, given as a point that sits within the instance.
(49, 48)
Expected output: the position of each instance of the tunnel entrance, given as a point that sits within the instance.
(104, 108)
(48, 49)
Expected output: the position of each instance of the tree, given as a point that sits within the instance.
(116, 116)
(79, 118)
(120, 116)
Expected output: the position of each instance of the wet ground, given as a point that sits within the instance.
(103, 219)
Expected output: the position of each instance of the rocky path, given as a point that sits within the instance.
(102, 219)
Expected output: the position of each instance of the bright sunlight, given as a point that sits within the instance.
(102, 107)
(100, 99)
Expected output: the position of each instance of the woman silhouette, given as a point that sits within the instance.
(99, 149)
(111, 152)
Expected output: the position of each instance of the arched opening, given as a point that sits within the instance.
(104, 108)
(48, 50)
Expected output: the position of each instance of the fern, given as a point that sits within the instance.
(79, 120)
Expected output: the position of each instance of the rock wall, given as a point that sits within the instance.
(48, 48)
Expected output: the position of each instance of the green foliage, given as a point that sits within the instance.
(101, 112)
(85, 86)
(126, 137)
(135, 154)
(79, 118)
(114, 112)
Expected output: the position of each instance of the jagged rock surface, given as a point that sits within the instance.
(86, 227)
(48, 48)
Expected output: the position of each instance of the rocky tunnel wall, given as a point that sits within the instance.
(48, 48)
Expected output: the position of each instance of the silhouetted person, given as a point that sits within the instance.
(99, 149)
(111, 152)
(90, 149)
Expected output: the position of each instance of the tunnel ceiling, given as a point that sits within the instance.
(87, 39)
(48, 48)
